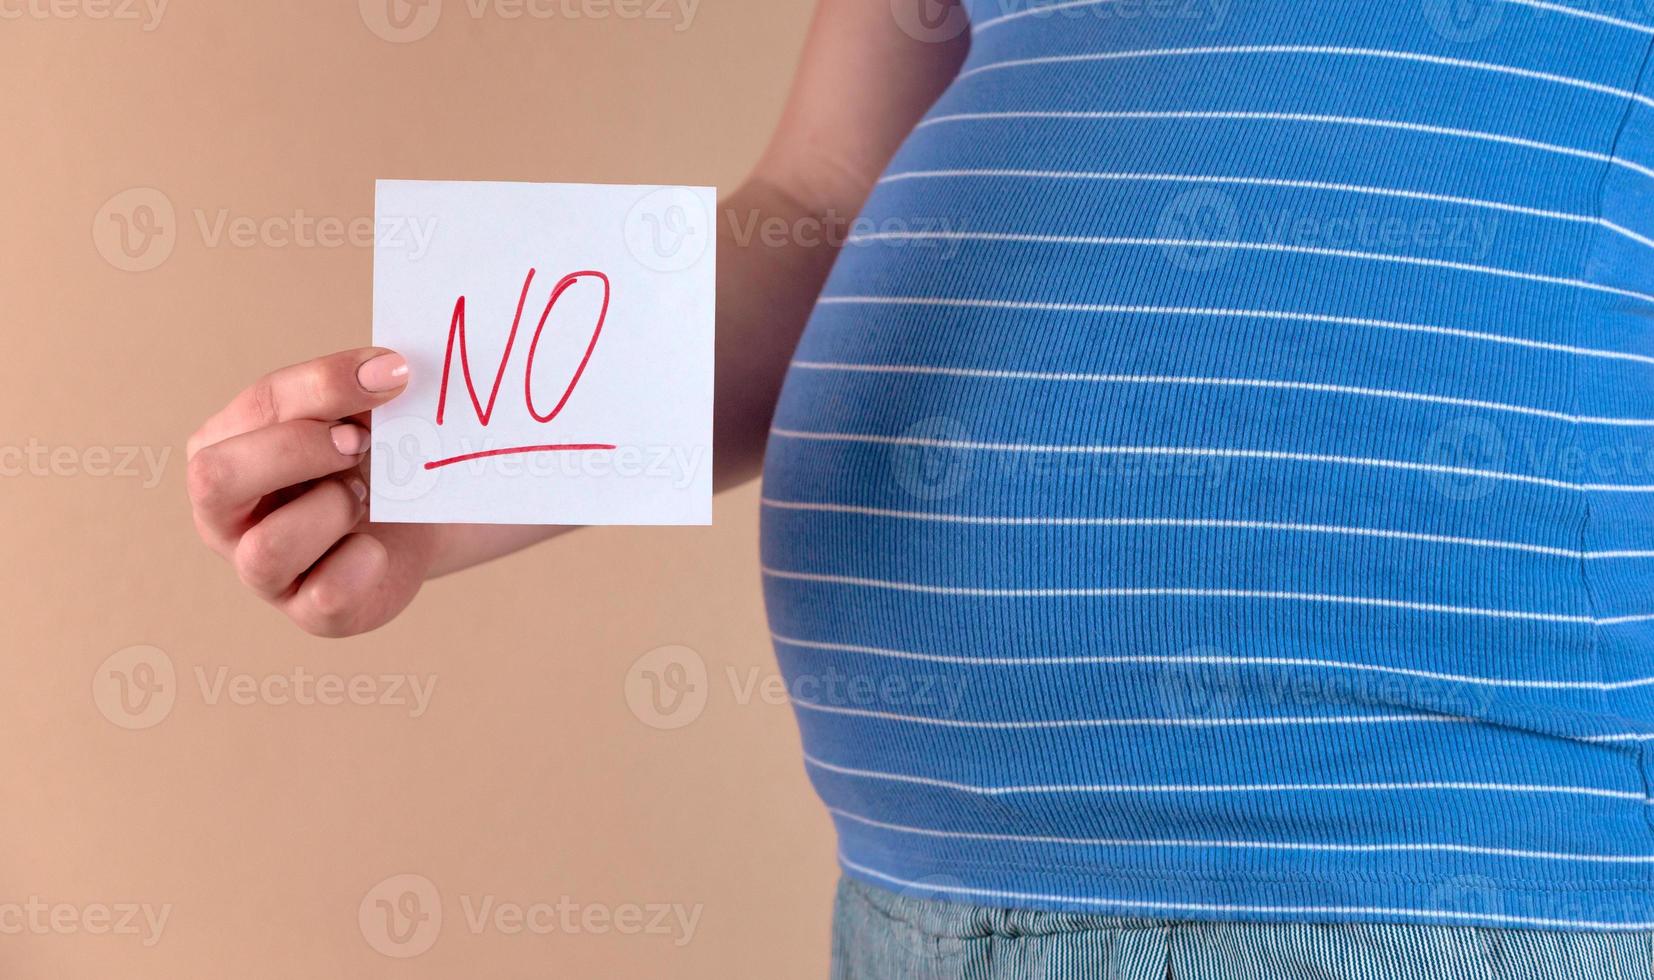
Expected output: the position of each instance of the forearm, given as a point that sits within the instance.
(773, 255)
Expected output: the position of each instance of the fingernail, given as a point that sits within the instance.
(350, 440)
(383, 373)
(359, 488)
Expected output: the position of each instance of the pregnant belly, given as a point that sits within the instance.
(1142, 386)
(1155, 470)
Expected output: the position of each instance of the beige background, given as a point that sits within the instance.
(259, 824)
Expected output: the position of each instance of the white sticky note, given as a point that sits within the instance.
(560, 344)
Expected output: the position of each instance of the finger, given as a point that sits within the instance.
(333, 387)
(340, 590)
(276, 551)
(228, 479)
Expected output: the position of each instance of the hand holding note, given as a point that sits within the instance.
(547, 360)
(276, 486)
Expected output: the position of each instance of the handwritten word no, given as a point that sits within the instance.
(485, 413)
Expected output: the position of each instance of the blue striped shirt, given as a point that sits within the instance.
(1217, 481)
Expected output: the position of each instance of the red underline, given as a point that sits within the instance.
(563, 448)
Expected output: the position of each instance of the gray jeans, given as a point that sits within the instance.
(880, 935)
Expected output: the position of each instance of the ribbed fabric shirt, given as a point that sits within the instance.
(1217, 481)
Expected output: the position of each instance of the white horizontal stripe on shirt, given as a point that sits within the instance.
(1421, 786)
(1295, 117)
(1216, 382)
(1212, 660)
(1199, 524)
(1211, 453)
(1220, 312)
(1277, 182)
(1267, 595)
(1318, 50)
(1281, 722)
(1556, 8)
(1040, 724)
(1102, 241)
(1509, 852)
